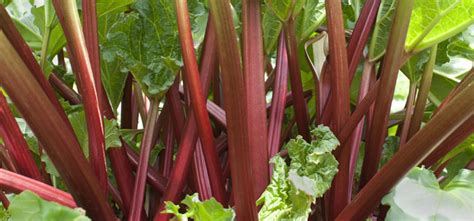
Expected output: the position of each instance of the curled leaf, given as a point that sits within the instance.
(293, 188)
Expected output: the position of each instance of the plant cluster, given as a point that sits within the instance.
(236, 109)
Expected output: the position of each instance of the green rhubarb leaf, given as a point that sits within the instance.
(46, 21)
(459, 157)
(33, 19)
(275, 199)
(110, 7)
(271, 27)
(145, 43)
(309, 15)
(200, 210)
(28, 206)
(440, 88)
(281, 8)
(418, 196)
(140, 43)
(461, 46)
(24, 20)
(390, 147)
(112, 132)
(113, 79)
(294, 188)
(378, 43)
(413, 68)
(434, 21)
(312, 15)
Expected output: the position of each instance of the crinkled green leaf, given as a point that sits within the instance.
(113, 79)
(28, 206)
(200, 210)
(433, 21)
(378, 43)
(112, 133)
(143, 43)
(418, 196)
(294, 188)
(275, 199)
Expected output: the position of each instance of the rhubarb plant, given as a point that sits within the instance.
(125, 107)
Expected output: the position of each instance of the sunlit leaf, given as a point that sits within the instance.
(200, 210)
(28, 206)
(433, 21)
(418, 196)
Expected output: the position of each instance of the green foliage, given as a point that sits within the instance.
(459, 157)
(4, 215)
(294, 188)
(419, 197)
(433, 21)
(382, 26)
(309, 15)
(28, 206)
(140, 41)
(112, 133)
(281, 8)
(5, 2)
(200, 210)
(390, 147)
(113, 78)
(312, 15)
(413, 68)
(33, 20)
(461, 45)
(271, 30)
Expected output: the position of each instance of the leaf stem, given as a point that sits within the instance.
(234, 89)
(278, 99)
(423, 92)
(389, 73)
(69, 18)
(16, 143)
(17, 183)
(253, 70)
(301, 111)
(148, 141)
